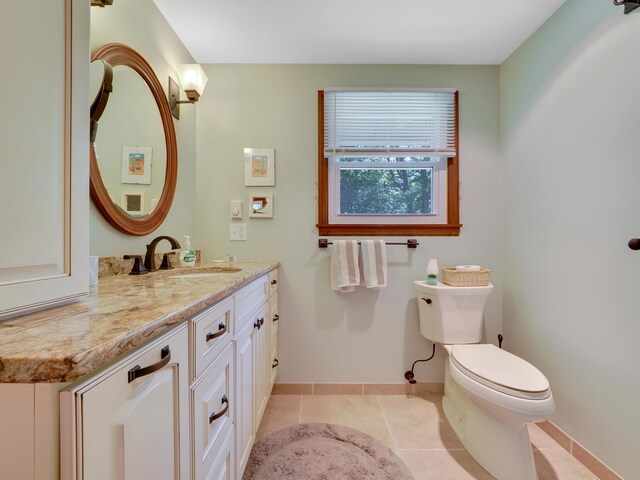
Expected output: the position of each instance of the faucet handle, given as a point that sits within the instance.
(166, 261)
(138, 265)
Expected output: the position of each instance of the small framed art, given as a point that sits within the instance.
(136, 165)
(259, 167)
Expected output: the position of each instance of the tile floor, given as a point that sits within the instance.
(416, 429)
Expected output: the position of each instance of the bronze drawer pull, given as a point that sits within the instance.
(137, 371)
(276, 317)
(222, 328)
(275, 363)
(274, 281)
(214, 416)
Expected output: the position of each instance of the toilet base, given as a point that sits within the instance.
(500, 444)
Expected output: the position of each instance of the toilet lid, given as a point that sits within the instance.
(500, 370)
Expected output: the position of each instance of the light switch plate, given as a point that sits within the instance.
(236, 209)
(238, 231)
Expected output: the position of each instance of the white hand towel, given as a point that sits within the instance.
(374, 263)
(345, 275)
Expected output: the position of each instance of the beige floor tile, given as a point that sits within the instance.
(282, 411)
(443, 465)
(362, 412)
(540, 440)
(560, 465)
(418, 422)
(422, 436)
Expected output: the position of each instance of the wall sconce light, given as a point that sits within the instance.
(629, 5)
(193, 80)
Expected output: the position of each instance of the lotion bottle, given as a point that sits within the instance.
(187, 254)
(432, 272)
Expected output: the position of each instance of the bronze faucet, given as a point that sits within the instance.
(150, 257)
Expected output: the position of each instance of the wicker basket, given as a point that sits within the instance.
(464, 278)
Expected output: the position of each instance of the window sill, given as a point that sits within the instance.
(420, 230)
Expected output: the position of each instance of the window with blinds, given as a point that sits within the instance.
(388, 162)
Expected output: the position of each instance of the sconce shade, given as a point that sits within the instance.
(193, 80)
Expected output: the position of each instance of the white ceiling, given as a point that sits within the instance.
(355, 31)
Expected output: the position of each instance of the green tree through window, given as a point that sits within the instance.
(384, 190)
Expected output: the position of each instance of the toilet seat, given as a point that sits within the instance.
(500, 370)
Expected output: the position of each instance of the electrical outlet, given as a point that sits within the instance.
(238, 231)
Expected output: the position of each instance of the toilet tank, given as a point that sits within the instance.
(451, 315)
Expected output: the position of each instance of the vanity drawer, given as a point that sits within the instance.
(250, 296)
(273, 281)
(224, 467)
(212, 407)
(211, 333)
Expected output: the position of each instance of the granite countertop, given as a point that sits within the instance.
(122, 312)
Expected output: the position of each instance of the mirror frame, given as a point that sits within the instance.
(117, 54)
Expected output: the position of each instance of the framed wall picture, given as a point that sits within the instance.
(136, 165)
(259, 167)
(261, 206)
(133, 203)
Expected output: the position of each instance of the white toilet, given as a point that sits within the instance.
(490, 394)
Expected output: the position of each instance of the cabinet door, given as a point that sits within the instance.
(262, 366)
(44, 144)
(273, 364)
(274, 322)
(245, 396)
(137, 428)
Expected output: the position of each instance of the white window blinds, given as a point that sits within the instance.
(401, 122)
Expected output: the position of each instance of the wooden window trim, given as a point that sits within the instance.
(451, 228)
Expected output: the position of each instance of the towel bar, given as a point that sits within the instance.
(410, 243)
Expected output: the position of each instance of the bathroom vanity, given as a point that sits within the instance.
(158, 376)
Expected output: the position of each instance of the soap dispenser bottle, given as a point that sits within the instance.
(432, 272)
(187, 254)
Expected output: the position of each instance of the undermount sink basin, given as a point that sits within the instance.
(205, 272)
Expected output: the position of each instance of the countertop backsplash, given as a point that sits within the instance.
(108, 266)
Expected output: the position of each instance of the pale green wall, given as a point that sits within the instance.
(139, 24)
(366, 336)
(570, 107)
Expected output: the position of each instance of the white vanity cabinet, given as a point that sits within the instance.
(44, 145)
(185, 406)
(131, 420)
(232, 343)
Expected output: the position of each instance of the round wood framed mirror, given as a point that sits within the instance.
(121, 170)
